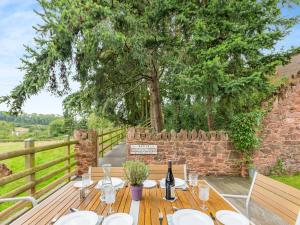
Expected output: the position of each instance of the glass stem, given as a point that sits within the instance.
(203, 206)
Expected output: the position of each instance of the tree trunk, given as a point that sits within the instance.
(155, 103)
(210, 119)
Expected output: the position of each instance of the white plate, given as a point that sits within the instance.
(78, 184)
(231, 218)
(118, 219)
(191, 216)
(78, 218)
(178, 183)
(149, 183)
(116, 182)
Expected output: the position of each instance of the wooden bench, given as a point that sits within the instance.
(278, 197)
(156, 172)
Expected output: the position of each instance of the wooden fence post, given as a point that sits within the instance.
(102, 139)
(110, 137)
(68, 153)
(30, 162)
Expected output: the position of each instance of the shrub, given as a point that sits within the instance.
(243, 129)
(136, 172)
(278, 169)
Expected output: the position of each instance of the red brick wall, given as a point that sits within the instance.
(86, 151)
(212, 153)
(206, 153)
(281, 133)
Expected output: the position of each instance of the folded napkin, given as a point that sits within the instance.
(170, 219)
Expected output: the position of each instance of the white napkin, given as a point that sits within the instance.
(170, 219)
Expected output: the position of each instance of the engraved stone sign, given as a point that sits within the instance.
(143, 149)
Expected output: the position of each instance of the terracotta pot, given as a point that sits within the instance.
(244, 170)
(136, 192)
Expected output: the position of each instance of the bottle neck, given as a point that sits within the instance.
(169, 165)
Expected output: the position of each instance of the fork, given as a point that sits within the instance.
(160, 217)
(214, 218)
(54, 219)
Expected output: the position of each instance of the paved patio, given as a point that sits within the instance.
(228, 185)
(116, 157)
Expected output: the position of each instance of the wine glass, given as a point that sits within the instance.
(204, 194)
(85, 182)
(193, 180)
(110, 196)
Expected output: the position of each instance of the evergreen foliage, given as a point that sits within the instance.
(198, 62)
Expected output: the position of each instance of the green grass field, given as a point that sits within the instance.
(17, 164)
(290, 180)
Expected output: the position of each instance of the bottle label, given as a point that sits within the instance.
(173, 192)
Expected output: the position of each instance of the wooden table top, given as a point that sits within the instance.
(151, 204)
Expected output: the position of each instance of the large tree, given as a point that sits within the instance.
(110, 47)
(232, 53)
(187, 54)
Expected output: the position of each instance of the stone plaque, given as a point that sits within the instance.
(143, 149)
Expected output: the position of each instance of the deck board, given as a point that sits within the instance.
(241, 186)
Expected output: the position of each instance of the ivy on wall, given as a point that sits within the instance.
(243, 131)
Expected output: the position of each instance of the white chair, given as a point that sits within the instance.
(279, 198)
(26, 198)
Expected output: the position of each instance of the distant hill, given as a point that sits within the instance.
(25, 119)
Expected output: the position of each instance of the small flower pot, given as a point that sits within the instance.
(251, 173)
(136, 192)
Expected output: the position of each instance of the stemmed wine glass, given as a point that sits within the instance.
(193, 180)
(204, 195)
(110, 196)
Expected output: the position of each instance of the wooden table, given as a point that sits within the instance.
(152, 202)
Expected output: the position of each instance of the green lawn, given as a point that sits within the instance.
(17, 165)
(290, 180)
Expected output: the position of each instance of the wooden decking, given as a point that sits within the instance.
(238, 185)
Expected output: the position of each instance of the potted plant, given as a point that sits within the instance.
(136, 173)
(247, 166)
(251, 170)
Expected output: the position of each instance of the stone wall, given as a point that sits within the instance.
(203, 152)
(86, 151)
(281, 133)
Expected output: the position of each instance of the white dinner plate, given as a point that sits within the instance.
(191, 216)
(78, 184)
(116, 182)
(118, 219)
(78, 218)
(149, 183)
(178, 183)
(231, 218)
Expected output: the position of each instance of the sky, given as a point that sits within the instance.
(16, 21)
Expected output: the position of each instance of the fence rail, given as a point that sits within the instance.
(31, 169)
(108, 138)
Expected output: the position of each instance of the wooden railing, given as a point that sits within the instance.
(146, 123)
(30, 171)
(107, 139)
